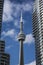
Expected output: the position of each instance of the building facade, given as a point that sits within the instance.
(37, 23)
(4, 57)
(2, 46)
(1, 13)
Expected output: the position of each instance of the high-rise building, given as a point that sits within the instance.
(21, 38)
(1, 13)
(38, 30)
(2, 46)
(4, 58)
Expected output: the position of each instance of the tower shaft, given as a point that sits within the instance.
(21, 62)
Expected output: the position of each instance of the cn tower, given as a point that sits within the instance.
(21, 38)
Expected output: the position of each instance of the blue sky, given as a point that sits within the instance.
(10, 30)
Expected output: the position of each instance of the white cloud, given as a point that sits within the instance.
(29, 38)
(7, 7)
(14, 9)
(16, 23)
(11, 33)
(7, 11)
(27, 7)
(8, 47)
(8, 33)
(32, 63)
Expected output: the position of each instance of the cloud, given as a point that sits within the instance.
(27, 7)
(13, 34)
(29, 38)
(16, 23)
(12, 10)
(24, 6)
(32, 63)
(7, 12)
(8, 47)
(10, 33)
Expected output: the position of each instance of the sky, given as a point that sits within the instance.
(11, 29)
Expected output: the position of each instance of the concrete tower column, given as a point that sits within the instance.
(21, 38)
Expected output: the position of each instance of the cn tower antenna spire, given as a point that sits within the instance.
(21, 20)
(21, 23)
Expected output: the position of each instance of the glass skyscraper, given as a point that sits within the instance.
(37, 23)
(4, 58)
(1, 13)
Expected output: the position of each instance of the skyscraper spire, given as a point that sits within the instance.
(21, 17)
(21, 38)
(21, 23)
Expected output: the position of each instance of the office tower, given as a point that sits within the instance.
(2, 46)
(21, 38)
(1, 13)
(38, 30)
(4, 58)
